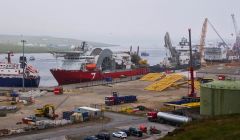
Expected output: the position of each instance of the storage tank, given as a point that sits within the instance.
(173, 118)
(220, 98)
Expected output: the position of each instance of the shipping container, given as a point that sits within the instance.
(92, 112)
(67, 114)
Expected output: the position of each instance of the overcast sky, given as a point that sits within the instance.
(124, 22)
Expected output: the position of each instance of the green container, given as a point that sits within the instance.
(220, 98)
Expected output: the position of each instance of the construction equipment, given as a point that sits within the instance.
(48, 111)
(202, 41)
(174, 59)
(236, 46)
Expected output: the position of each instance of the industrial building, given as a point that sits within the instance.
(220, 98)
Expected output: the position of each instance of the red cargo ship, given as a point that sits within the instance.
(85, 64)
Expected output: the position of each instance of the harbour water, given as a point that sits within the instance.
(45, 61)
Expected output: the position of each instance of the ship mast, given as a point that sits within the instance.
(23, 65)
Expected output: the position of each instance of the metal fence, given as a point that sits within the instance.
(104, 82)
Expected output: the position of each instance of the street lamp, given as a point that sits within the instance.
(23, 64)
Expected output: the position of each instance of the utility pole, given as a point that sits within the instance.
(192, 94)
(23, 63)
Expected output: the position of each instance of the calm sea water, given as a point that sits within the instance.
(45, 61)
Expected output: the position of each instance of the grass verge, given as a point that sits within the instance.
(215, 128)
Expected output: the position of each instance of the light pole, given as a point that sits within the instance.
(23, 63)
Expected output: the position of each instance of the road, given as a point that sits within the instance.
(117, 120)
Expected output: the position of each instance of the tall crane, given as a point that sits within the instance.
(203, 37)
(236, 46)
(174, 54)
(235, 25)
(202, 40)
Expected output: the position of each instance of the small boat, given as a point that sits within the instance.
(31, 58)
(144, 54)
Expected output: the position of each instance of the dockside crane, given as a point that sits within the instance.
(203, 38)
(173, 52)
(236, 46)
(202, 41)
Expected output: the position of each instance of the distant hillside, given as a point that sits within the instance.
(18, 49)
(46, 41)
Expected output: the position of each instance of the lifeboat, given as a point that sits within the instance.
(91, 66)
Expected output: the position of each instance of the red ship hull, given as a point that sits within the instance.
(64, 77)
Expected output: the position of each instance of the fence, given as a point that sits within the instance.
(104, 82)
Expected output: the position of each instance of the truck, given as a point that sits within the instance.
(115, 99)
(164, 117)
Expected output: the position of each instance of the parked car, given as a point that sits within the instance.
(135, 132)
(119, 134)
(126, 131)
(91, 138)
(103, 136)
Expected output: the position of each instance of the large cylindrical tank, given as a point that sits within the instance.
(220, 98)
(173, 118)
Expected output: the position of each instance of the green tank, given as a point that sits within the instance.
(220, 98)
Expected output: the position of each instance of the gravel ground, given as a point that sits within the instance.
(95, 95)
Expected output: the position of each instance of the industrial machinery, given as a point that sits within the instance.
(174, 59)
(177, 57)
(202, 41)
(48, 111)
(219, 52)
(236, 46)
(164, 117)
